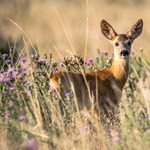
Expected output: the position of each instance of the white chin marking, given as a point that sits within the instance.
(124, 57)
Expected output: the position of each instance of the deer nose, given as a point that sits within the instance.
(124, 53)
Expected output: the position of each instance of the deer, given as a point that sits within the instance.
(101, 89)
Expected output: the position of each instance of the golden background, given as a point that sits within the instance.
(66, 27)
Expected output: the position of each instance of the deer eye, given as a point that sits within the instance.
(129, 43)
(116, 44)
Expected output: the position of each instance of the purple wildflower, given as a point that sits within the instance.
(105, 53)
(11, 69)
(23, 73)
(23, 59)
(4, 73)
(5, 80)
(61, 64)
(96, 58)
(54, 89)
(15, 73)
(8, 61)
(40, 71)
(41, 61)
(4, 55)
(67, 106)
(11, 89)
(6, 116)
(116, 139)
(32, 145)
(24, 68)
(22, 118)
(67, 94)
(4, 92)
(10, 104)
(89, 61)
(55, 69)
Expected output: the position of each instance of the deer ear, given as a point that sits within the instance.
(107, 30)
(136, 29)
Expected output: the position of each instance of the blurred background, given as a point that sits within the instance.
(64, 27)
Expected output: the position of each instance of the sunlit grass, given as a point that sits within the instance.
(33, 116)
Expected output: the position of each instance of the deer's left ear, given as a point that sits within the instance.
(108, 30)
(136, 29)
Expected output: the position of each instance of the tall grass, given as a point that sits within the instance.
(33, 116)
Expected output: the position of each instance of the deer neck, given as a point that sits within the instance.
(119, 70)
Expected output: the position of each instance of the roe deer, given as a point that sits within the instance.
(102, 88)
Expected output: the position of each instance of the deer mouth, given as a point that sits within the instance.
(124, 54)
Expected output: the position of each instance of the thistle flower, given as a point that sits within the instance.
(10, 104)
(32, 145)
(4, 92)
(23, 59)
(96, 58)
(54, 89)
(67, 94)
(6, 116)
(11, 69)
(41, 61)
(5, 80)
(24, 68)
(4, 73)
(61, 64)
(22, 118)
(67, 106)
(4, 55)
(40, 71)
(89, 61)
(55, 69)
(116, 139)
(8, 61)
(105, 53)
(11, 89)
(23, 73)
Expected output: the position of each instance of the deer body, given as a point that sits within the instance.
(102, 88)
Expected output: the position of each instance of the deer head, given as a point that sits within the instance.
(122, 42)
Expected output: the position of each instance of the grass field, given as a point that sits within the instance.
(30, 115)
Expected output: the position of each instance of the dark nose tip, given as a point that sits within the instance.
(124, 53)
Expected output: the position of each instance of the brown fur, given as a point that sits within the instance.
(101, 89)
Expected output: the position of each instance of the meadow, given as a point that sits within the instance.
(34, 117)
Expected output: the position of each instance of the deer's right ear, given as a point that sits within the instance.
(136, 29)
(107, 30)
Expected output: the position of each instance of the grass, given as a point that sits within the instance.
(34, 117)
